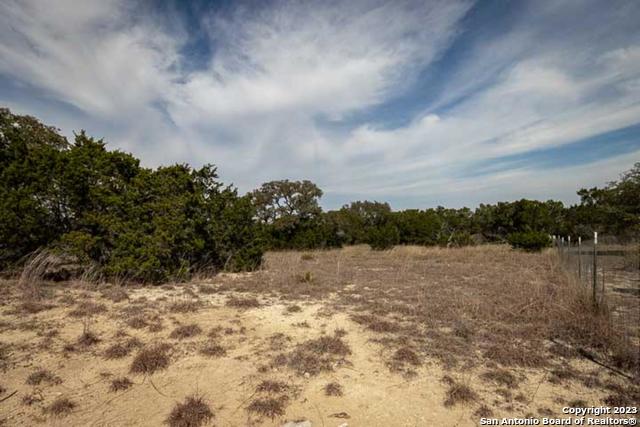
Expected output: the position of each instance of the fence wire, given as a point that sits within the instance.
(609, 267)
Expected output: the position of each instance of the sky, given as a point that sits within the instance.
(418, 103)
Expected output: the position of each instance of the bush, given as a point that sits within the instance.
(383, 237)
(530, 241)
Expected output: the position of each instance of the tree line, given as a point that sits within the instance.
(151, 225)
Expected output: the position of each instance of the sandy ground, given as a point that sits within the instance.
(374, 394)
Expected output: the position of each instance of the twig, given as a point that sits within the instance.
(6, 397)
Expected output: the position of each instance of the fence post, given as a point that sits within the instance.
(580, 258)
(595, 265)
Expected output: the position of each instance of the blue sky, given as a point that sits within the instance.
(417, 103)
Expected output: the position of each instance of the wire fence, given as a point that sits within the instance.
(609, 267)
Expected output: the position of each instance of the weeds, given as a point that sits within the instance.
(61, 407)
(151, 359)
(43, 376)
(244, 303)
(459, 393)
(269, 406)
(270, 386)
(333, 389)
(120, 384)
(193, 412)
(185, 331)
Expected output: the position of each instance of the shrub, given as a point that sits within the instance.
(530, 241)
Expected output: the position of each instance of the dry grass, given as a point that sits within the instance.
(43, 376)
(120, 384)
(193, 412)
(315, 356)
(213, 349)
(61, 407)
(269, 406)
(243, 302)
(122, 349)
(271, 386)
(151, 359)
(185, 306)
(88, 309)
(459, 393)
(501, 377)
(333, 389)
(185, 331)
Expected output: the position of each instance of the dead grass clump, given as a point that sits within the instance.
(43, 376)
(120, 384)
(270, 386)
(33, 307)
(213, 349)
(207, 289)
(560, 374)
(501, 377)
(515, 354)
(88, 309)
(269, 407)
(245, 302)
(193, 412)
(137, 322)
(61, 407)
(483, 411)
(185, 331)
(459, 393)
(185, 306)
(407, 355)
(116, 294)
(293, 309)
(151, 359)
(333, 389)
(306, 277)
(375, 323)
(122, 349)
(318, 355)
(88, 339)
(307, 257)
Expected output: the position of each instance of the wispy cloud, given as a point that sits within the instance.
(302, 89)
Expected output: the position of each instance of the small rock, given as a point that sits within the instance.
(307, 375)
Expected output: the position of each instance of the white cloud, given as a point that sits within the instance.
(260, 104)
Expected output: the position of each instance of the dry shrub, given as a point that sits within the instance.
(318, 355)
(185, 306)
(120, 384)
(151, 359)
(116, 294)
(459, 393)
(88, 309)
(243, 302)
(207, 289)
(43, 376)
(306, 257)
(515, 354)
(213, 349)
(88, 339)
(271, 386)
(137, 322)
(406, 355)
(483, 411)
(333, 389)
(293, 309)
(269, 406)
(185, 331)
(501, 377)
(376, 324)
(122, 349)
(61, 407)
(193, 412)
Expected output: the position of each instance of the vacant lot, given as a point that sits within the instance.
(412, 336)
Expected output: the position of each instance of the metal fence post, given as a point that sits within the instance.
(595, 265)
(580, 258)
